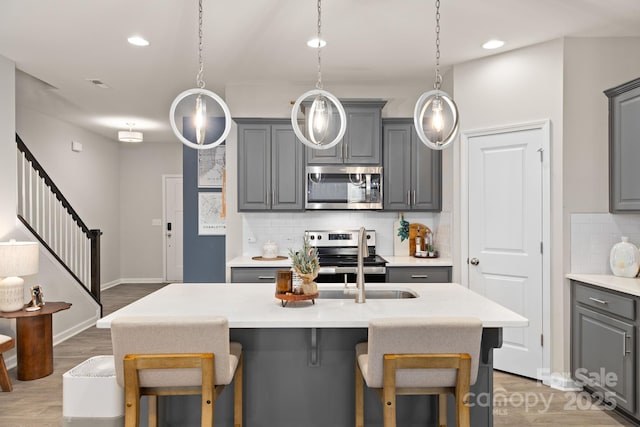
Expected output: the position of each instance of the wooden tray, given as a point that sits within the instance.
(278, 258)
(285, 298)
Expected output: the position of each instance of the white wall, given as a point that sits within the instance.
(141, 170)
(88, 179)
(515, 87)
(8, 168)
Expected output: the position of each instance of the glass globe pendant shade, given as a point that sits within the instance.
(436, 119)
(199, 113)
(320, 120)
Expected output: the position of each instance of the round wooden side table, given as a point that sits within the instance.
(34, 339)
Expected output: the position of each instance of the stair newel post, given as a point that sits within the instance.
(94, 235)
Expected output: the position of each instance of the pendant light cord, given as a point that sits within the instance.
(319, 82)
(438, 81)
(199, 80)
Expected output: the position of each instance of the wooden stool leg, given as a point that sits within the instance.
(442, 410)
(359, 397)
(152, 405)
(237, 394)
(5, 381)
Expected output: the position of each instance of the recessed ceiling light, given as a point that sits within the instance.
(493, 44)
(314, 43)
(138, 41)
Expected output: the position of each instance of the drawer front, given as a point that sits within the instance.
(603, 300)
(419, 274)
(254, 274)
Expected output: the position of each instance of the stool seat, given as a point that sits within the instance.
(418, 355)
(6, 344)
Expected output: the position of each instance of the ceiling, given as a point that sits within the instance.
(60, 44)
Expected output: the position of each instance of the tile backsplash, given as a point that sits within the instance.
(287, 229)
(593, 235)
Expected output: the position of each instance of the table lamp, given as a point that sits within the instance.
(17, 259)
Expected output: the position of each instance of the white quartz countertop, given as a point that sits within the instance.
(255, 306)
(627, 285)
(392, 261)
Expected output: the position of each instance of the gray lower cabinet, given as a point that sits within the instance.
(255, 274)
(270, 166)
(624, 150)
(361, 143)
(418, 274)
(412, 171)
(604, 345)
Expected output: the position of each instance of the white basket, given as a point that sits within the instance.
(90, 390)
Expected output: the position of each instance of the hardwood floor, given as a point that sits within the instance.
(524, 402)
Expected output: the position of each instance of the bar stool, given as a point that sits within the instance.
(6, 344)
(160, 356)
(419, 355)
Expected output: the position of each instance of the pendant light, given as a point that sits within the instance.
(130, 135)
(200, 110)
(321, 114)
(436, 115)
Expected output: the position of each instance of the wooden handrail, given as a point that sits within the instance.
(77, 250)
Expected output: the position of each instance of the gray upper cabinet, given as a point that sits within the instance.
(624, 149)
(412, 171)
(270, 166)
(362, 140)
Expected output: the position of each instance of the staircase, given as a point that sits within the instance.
(44, 210)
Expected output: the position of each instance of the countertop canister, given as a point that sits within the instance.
(624, 258)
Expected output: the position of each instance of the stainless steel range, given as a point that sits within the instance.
(338, 255)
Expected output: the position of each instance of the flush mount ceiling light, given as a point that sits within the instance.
(436, 115)
(314, 43)
(129, 135)
(202, 139)
(138, 41)
(493, 44)
(320, 118)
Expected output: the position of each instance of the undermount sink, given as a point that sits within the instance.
(369, 294)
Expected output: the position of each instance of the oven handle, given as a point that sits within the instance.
(351, 270)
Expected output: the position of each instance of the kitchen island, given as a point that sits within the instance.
(299, 359)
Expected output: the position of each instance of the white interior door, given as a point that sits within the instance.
(173, 220)
(505, 237)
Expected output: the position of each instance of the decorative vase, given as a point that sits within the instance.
(309, 287)
(624, 258)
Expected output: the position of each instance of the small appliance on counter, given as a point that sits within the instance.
(338, 256)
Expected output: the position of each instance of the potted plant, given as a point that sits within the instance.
(306, 264)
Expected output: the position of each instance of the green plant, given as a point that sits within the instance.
(403, 230)
(305, 261)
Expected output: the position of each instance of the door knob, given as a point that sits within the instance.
(475, 261)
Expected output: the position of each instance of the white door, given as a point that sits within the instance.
(505, 237)
(173, 215)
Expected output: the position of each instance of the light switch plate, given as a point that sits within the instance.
(76, 146)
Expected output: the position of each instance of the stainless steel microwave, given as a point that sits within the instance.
(343, 187)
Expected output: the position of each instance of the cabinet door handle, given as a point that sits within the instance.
(266, 195)
(273, 197)
(419, 276)
(409, 197)
(599, 301)
(624, 345)
(414, 197)
(266, 277)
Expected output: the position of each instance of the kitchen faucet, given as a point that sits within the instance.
(363, 252)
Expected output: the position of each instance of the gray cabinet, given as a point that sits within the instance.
(418, 274)
(361, 143)
(270, 166)
(603, 345)
(255, 274)
(412, 171)
(624, 149)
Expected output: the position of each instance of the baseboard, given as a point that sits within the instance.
(561, 382)
(117, 282)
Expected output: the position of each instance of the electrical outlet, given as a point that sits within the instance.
(251, 239)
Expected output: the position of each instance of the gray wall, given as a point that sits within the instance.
(141, 170)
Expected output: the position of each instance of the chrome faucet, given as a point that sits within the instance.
(363, 252)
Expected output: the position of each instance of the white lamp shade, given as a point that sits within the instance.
(129, 136)
(19, 259)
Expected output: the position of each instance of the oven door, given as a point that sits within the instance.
(348, 275)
